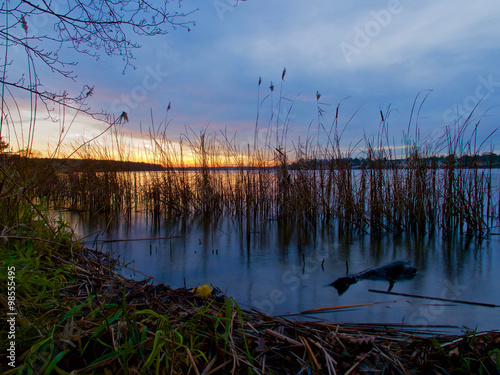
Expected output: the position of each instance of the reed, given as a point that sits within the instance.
(301, 182)
(418, 196)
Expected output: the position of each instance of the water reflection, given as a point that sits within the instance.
(286, 270)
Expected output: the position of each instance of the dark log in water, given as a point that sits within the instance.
(392, 272)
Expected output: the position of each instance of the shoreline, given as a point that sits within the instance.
(98, 321)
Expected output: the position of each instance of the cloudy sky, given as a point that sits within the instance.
(367, 55)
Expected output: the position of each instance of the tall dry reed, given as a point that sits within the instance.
(421, 189)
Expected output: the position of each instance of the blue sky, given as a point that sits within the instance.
(375, 53)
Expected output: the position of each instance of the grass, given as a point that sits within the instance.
(77, 314)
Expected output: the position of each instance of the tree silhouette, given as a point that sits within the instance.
(37, 34)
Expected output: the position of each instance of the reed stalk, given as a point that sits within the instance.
(362, 189)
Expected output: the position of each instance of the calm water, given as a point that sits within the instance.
(282, 274)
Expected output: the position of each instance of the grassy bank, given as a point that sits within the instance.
(76, 314)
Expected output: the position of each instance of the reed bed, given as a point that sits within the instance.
(416, 186)
(420, 193)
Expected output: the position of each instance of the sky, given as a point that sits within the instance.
(368, 56)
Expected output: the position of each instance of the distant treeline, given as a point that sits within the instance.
(485, 160)
(94, 165)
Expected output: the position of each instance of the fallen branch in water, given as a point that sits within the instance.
(333, 308)
(435, 298)
(138, 239)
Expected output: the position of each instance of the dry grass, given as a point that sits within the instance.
(305, 182)
(77, 314)
(411, 194)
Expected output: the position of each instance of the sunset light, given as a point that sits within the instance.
(249, 187)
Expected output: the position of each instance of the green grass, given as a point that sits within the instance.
(76, 314)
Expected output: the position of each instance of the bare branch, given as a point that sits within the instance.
(91, 27)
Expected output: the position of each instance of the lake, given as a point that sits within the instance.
(285, 270)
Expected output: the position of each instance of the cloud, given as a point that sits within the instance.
(411, 33)
(419, 32)
(210, 74)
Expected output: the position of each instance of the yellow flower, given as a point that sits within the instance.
(203, 291)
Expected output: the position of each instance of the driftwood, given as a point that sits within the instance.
(434, 298)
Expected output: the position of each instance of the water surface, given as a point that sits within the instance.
(285, 272)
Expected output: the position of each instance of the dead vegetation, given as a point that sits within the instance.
(98, 322)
